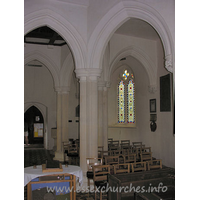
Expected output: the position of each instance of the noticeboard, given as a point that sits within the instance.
(38, 130)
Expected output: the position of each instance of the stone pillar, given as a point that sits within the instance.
(92, 94)
(59, 155)
(65, 111)
(62, 121)
(83, 125)
(105, 117)
(88, 114)
(101, 85)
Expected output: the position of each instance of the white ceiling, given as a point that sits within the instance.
(138, 28)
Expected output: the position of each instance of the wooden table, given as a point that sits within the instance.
(68, 175)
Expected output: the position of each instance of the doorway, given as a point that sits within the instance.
(35, 121)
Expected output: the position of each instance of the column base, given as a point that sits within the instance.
(59, 155)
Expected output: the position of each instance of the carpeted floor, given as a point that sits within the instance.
(38, 156)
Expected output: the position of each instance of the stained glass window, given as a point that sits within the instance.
(121, 103)
(126, 99)
(131, 102)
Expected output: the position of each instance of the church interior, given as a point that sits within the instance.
(99, 81)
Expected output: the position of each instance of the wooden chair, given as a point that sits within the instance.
(115, 152)
(130, 158)
(104, 154)
(77, 142)
(136, 143)
(90, 163)
(122, 168)
(126, 150)
(138, 146)
(114, 145)
(73, 154)
(138, 166)
(154, 164)
(137, 151)
(65, 149)
(109, 142)
(100, 149)
(125, 144)
(145, 149)
(110, 160)
(146, 156)
(100, 177)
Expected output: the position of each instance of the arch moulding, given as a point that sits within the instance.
(47, 17)
(119, 14)
(49, 64)
(141, 57)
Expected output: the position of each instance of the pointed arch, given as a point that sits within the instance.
(47, 61)
(119, 14)
(47, 17)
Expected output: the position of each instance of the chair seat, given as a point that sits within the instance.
(101, 183)
(90, 174)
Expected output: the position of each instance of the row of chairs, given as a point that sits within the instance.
(99, 173)
(139, 153)
(125, 144)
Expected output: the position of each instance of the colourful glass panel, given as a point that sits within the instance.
(126, 74)
(121, 103)
(131, 102)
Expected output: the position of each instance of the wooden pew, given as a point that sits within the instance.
(139, 179)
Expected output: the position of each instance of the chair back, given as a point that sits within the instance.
(100, 172)
(122, 168)
(130, 158)
(138, 166)
(154, 164)
(73, 149)
(146, 156)
(110, 160)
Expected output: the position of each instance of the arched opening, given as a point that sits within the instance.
(137, 43)
(49, 66)
(35, 121)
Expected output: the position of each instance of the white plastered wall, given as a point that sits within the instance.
(161, 141)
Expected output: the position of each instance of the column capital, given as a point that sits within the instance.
(88, 72)
(101, 85)
(62, 89)
(168, 63)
